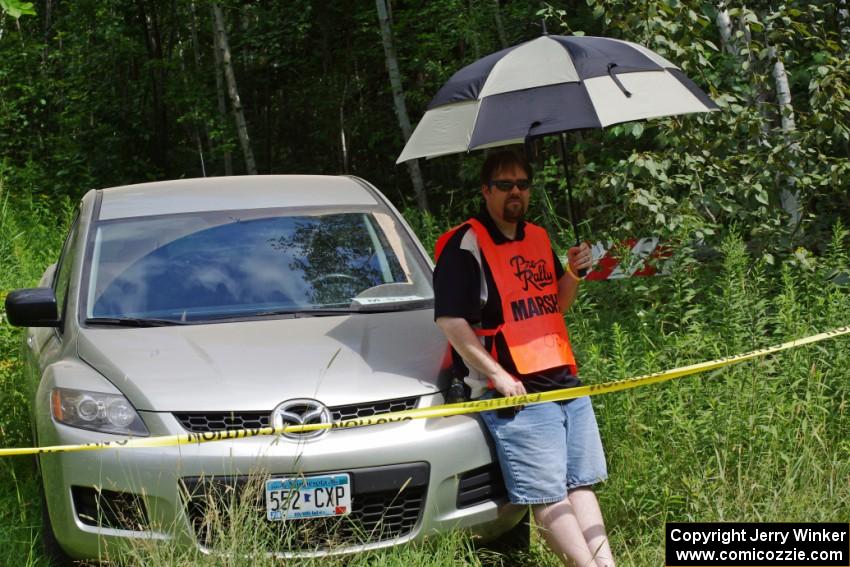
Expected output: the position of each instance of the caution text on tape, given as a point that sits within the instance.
(444, 410)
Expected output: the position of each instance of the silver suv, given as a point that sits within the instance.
(227, 303)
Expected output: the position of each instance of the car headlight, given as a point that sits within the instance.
(107, 413)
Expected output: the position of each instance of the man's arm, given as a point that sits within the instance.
(466, 343)
(578, 258)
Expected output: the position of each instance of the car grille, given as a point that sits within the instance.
(198, 422)
(387, 503)
(353, 411)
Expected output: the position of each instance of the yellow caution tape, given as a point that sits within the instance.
(434, 411)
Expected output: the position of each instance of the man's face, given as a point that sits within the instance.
(512, 204)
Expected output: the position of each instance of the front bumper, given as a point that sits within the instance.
(447, 447)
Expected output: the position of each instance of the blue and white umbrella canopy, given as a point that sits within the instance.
(548, 85)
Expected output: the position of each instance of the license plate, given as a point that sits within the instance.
(297, 498)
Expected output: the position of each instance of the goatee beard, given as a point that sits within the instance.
(513, 215)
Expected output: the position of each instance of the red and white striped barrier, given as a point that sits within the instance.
(606, 265)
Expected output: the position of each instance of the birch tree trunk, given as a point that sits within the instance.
(202, 136)
(761, 95)
(398, 100)
(222, 102)
(734, 45)
(343, 142)
(196, 135)
(724, 26)
(790, 195)
(235, 102)
(500, 28)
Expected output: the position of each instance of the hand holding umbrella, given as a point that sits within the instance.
(579, 258)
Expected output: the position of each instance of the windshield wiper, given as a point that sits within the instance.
(306, 312)
(134, 322)
(353, 309)
(391, 306)
(363, 308)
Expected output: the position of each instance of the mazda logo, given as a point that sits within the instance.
(301, 411)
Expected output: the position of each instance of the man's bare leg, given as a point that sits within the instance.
(589, 517)
(558, 524)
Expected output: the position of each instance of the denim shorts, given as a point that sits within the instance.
(547, 449)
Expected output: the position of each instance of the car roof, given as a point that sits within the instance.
(233, 193)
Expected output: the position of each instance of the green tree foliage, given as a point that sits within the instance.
(16, 8)
(96, 93)
(688, 177)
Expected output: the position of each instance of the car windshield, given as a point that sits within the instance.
(221, 265)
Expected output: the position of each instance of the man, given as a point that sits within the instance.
(498, 278)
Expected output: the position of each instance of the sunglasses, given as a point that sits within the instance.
(508, 184)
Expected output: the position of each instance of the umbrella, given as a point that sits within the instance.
(551, 85)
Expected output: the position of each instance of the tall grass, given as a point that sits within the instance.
(765, 440)
(236, 533)
(31, 232)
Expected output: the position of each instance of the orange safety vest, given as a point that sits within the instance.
(534, 328)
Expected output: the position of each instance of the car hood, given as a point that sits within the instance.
(255, 365)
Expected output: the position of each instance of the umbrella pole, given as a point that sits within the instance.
(563, 143)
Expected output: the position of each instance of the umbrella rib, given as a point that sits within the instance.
(617, 80)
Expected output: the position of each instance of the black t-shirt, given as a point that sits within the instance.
(458, 292)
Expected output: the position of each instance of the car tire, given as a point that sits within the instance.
(513, 544)
(53, 552)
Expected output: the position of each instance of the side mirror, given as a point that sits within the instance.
(33, 307)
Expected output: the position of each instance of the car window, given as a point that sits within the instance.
(62, 275)
(216, 265)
